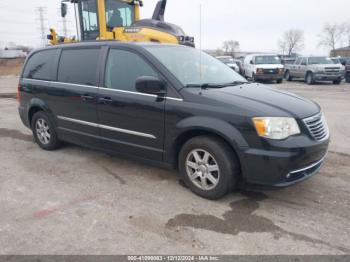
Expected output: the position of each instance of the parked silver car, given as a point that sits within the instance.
(314, 69)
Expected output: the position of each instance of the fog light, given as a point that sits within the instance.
(288, 176)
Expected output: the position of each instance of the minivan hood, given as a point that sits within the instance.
(260, 100)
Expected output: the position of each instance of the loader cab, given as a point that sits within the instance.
(99, 17)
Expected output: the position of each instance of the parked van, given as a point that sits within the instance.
(172, 105)
(266, 67)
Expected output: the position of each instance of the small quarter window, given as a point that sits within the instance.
(123, 68)
(41, 65)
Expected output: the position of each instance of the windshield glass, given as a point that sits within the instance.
(226, 60)
(266, 60)
(193, 67)
(320, 60)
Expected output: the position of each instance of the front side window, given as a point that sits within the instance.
(194, 67)
(267, 60)
(118, 14)
(41, 65)
(123, 68)
(79, 66)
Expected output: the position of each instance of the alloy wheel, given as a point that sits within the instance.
(202, 169)
(43, 131)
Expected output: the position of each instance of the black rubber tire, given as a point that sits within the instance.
(226, 160)
(309, 79)
(337, 82)
(287, 76)
(253, 78)
(279, 81)
(347, 78)
(54, 142)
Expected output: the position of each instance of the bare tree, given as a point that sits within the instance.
(292, 41)
(230, 47)
(331, 35)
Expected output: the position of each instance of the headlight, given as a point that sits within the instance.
(276, 127)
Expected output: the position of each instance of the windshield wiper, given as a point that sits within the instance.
(211, 85)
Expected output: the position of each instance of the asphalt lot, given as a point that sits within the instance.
(79, 201)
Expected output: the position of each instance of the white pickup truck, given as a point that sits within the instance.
(314, 69)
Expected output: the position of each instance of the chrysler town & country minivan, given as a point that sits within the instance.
(172, 105)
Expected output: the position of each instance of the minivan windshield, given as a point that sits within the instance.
(193, 67)
(267, 60)
(322, 60)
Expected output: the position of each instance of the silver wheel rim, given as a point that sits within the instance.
(202, 169)
(42, 131)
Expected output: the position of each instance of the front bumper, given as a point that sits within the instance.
(326, 77)
(269, 77)
(287, 163)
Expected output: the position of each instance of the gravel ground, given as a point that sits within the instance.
(79, 201)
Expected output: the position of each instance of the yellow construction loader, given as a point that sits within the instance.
(120, 20)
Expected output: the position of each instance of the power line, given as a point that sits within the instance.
(41, 13)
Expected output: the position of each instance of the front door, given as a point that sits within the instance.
(130, 122)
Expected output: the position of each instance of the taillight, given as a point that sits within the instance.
(18, 93)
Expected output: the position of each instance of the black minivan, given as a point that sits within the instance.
(173, 105)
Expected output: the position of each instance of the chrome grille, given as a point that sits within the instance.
(317, 127)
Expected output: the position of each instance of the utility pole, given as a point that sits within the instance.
(41, 16)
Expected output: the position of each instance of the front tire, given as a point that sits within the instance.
(347, 78)
(209, 167)
(287, 76)
(337, 82)
(279, 81)
(310, 78)
(44, 132)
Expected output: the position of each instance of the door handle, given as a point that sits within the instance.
(86, 97)
(106, 100)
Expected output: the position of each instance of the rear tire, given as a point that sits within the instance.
(310, 78)
(44, 132)
(209, 167)
(337, 82)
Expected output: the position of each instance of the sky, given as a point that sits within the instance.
(256, 24)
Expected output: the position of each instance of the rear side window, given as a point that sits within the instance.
(123, 68)
(79, 66)
(41, 65)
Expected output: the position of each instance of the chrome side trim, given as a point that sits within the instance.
(119, 130)
(104, 88)
(309, 167)
(60, 83)
(128, 92)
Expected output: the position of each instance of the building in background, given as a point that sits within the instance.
(343, 52)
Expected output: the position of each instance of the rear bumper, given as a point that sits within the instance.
(23, 113)
(283, 167)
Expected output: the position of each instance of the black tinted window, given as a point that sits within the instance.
(123, 68)
(41, 65)
(79, 66)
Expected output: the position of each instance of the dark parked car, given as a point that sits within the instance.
(168, 104)
(347, 70)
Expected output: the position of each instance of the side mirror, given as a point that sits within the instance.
(251, 62)
(150, 85)
(64, 9)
